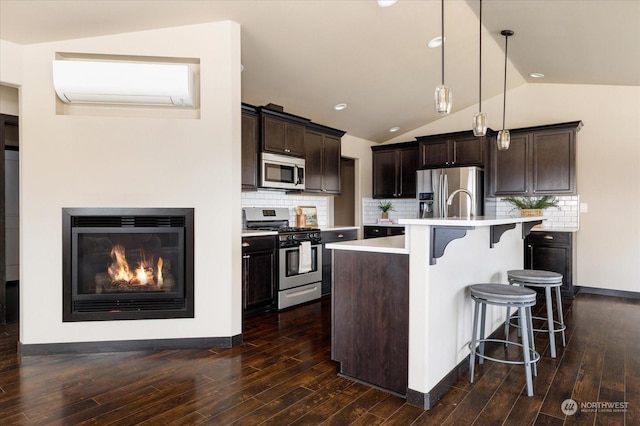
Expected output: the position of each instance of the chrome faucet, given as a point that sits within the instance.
(450, 200)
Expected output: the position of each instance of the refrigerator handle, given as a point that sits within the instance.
(445, 195)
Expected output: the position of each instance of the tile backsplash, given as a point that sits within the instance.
(282, 199)
(402, 209)
(566, 215)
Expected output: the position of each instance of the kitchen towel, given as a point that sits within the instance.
(304, 261)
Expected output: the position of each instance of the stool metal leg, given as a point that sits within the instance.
(560, 314)
(526, 349)
(506, 326)
(529, 319)
(552, 337)
(483, 317)
(472, 354)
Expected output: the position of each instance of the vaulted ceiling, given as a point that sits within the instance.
(309, 55)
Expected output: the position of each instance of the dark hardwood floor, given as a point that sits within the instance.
(282, 374)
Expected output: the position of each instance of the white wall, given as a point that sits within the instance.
(608, 167)
(94, 161)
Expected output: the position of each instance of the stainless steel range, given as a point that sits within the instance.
(299, 254)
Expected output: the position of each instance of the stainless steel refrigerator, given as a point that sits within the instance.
(462, 186)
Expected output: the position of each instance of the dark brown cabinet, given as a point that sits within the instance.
(451, 150)
(282, 133)
(370, 318)
(249, 148)
(540, 161)
(552, 251)
(332, 237)
(373, 231)
(394, 170)
(259, 271)
(322, 159)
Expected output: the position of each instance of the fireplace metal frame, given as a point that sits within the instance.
(125, 220)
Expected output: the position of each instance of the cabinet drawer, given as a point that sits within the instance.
(252, 244)
(337, 236)
(549, 237)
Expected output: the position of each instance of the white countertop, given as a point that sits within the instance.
(539, 228)
(339, 228)
(260, 233)
(475, 221)
(383, 224)
(394, 244)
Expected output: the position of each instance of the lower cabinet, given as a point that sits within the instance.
(332, 237)
(382, 231)
(259, 269)
(553, 251)
(370, 318)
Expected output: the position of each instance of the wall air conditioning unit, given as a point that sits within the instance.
(129, 83)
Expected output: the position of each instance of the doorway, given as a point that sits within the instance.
(344, 209)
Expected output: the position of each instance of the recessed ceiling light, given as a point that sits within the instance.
(386, 3)
(435, 42)
(536, 75)
(394, 129)
(340, 107)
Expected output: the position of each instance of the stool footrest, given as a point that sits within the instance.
(535, 356)
(561, 327)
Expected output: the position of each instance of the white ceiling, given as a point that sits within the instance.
(309, 55)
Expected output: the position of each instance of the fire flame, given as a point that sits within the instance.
(119, 269)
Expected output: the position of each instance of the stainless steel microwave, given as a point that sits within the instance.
(281, 172)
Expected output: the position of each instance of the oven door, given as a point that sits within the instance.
(289, 261)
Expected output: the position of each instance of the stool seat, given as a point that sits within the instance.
(534, 276)
(502, 293)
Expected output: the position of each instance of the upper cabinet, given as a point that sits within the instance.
(394, 170)
(540, 161)
(282, 133)
(249, 148)
(322, 159)
(452, 150)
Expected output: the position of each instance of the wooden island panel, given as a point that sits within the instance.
(370, 309)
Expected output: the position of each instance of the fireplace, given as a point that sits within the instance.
(123, 264)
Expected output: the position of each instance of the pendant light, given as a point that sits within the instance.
(504, 138)
(479, 122)
(442, 97)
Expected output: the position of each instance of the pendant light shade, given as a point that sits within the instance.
(504, 138)
(443, 98)
(479, 123)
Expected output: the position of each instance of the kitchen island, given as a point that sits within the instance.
(401, 310)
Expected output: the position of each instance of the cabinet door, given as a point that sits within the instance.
(259, 285)
(294, 139)
(510, 168)
(313, 162)
(384, 174)
(553, 162)
(467, 151)
(331, 165)
(249, 151)
(434, 154)
(554, 258)
(273, 135)
(408, 160)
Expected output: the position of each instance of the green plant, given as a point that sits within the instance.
(532, 202)
(385, 206)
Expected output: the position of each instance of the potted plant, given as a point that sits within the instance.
(385, 207)
(532, 206)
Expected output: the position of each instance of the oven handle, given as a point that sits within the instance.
(301, 292)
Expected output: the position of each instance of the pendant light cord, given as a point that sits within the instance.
(480, 63)
(442, 36)
(504, 100)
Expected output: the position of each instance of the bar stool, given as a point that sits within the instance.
(546, 280)
(508, 296)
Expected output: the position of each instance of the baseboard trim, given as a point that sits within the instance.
(609, 292)
(128, 345)
(427, 400)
